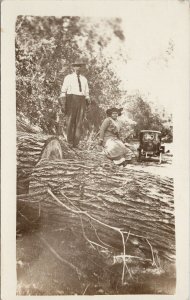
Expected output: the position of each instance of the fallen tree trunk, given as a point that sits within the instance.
(31, 148)
(138, 204)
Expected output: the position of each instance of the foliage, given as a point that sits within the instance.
(45, 47)
(142, 113)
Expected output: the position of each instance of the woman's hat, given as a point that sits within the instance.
(114, 109)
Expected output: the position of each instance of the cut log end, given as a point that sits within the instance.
(52, 150)
(32, 149)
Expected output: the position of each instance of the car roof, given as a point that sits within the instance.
(150, 131)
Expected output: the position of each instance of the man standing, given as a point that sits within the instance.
(74, 99)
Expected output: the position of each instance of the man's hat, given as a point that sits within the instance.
(78, 63)
(114, 109)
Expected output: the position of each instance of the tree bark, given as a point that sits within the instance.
(31, 148)
(138, 203)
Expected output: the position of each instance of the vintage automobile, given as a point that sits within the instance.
(150, 145)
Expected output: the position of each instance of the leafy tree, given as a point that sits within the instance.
(45, 47)
(141, 112)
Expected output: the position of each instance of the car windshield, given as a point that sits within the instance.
(150, 136)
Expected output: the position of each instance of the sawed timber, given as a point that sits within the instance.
(31, 148)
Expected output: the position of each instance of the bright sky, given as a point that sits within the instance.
(157, 49)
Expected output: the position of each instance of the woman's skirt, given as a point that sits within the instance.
(116, 150)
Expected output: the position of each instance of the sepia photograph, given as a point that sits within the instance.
(96, 107)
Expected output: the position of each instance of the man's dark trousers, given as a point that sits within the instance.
(75, 112)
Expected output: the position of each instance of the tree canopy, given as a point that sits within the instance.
(145, 118)
(45, 48)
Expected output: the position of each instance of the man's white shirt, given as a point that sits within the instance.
(71, 86)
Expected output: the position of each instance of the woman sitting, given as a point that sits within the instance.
(109, 138)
